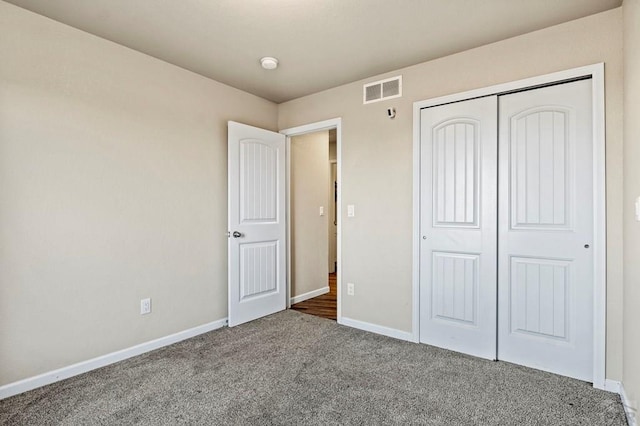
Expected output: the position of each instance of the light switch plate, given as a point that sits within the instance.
(638, 209)
(321, 211)
(351, 210)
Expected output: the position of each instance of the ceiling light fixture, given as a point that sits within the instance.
(269, 63)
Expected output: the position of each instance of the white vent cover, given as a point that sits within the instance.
(381, 90)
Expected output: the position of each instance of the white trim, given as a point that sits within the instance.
(415, 293)
(378, 329)
(338, 216)
(518, 85)
(287, 147)
(104, 360)
(612, 386)
(617, 387)
(334, 123)
(596, 72)
(309, 295)
(600, 228)
(629, 409)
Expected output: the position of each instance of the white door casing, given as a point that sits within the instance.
(458, 281)
(257, 223)
(545, 260)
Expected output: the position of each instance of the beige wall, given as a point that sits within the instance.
(333, 136)
(631, 377)
(377, 243)
(113, 171)
(309, 231)
(333, 223)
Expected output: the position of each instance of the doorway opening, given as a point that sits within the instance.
(313, 170)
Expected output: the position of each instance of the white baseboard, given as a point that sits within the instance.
(631, 412)
(611, 386)
(30, 383)
(378, 329)
(310, 295)
(617, 387)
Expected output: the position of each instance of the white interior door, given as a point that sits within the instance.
(257, 232)
(458, 281)
(546, 229)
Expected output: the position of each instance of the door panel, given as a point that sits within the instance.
(539, 169)
(258, 181)
(455, 287)
(539, 289)
(458, 226)
(257, 280)
(545, 259)
(257, 272)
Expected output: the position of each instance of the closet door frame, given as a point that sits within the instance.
(596, 73)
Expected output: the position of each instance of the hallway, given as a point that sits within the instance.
(324, 306)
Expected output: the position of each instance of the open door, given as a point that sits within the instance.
(257, 231)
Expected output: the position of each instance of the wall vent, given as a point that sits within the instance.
(381, 90)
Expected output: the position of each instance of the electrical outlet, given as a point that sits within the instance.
(351, 289)
(145, 306)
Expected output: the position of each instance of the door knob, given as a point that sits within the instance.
(236, 234)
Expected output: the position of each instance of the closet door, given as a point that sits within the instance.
(546, 229)
(458, 226)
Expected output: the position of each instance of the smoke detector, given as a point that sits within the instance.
(269, 63)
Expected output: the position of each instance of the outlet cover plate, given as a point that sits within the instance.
(350, 289)
(145, 306)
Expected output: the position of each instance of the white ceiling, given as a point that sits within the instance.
(320, 43)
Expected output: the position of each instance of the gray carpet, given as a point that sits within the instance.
(295, 369)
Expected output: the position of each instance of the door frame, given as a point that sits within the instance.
(334, 123)
(596, 73)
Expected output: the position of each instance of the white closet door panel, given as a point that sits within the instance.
(545, 258)
(458, 226)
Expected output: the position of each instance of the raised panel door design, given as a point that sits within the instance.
(455, 173)
(540, 297)
(258, 269)
(257, 227)
(458, 226)
(455, 287)
(545, 250)
(540, 168)
(258, 182)
(543, 299)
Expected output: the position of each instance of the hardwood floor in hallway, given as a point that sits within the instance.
(324, 306)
